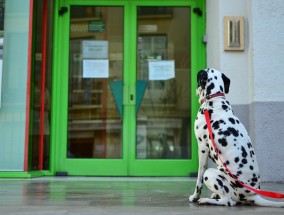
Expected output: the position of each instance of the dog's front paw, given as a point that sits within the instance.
(222, 201)
(193, 198)
(204, 201)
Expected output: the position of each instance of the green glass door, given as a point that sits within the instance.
(123, 101)
(164, 144)
(92, 59)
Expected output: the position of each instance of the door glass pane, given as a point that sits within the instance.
(163, 61)
(95, 62)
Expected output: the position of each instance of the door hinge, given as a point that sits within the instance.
(198, 11)
(62, 10)
(204, 39)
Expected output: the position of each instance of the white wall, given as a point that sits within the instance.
(267, 56)
(257, 76)
(268, 49)
(234, 64)
(256, 70)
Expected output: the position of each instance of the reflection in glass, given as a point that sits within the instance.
(163, 120)
(41, 94)
(95, 61)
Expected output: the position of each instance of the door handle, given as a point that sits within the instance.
(129, 95)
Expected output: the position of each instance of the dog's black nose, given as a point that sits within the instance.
(202, 77)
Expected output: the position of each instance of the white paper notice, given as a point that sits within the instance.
(95, 68)
(161, 70)
(95, 49)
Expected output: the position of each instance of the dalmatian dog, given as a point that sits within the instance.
(233, 144)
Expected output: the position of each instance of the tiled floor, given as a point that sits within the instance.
(103, 196)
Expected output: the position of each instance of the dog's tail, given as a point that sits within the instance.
(259, 201)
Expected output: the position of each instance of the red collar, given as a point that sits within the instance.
(212, 96)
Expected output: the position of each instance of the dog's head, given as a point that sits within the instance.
(211, 81)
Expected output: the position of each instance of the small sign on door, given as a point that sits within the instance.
(161, 70)
(97, 26)
(95, 49)
(95, 68)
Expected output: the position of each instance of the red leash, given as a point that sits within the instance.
(260, 192)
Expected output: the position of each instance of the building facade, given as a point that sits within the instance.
(255, 75)
(84, 89)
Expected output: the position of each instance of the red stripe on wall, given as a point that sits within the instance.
(28, 92)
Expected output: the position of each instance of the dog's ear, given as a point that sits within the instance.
(202, 77)
(227, 82)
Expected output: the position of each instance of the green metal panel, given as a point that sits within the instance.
(33, 174)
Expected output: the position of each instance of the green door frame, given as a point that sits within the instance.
(129, 165)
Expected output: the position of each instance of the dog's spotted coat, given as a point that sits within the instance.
(233, 143)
